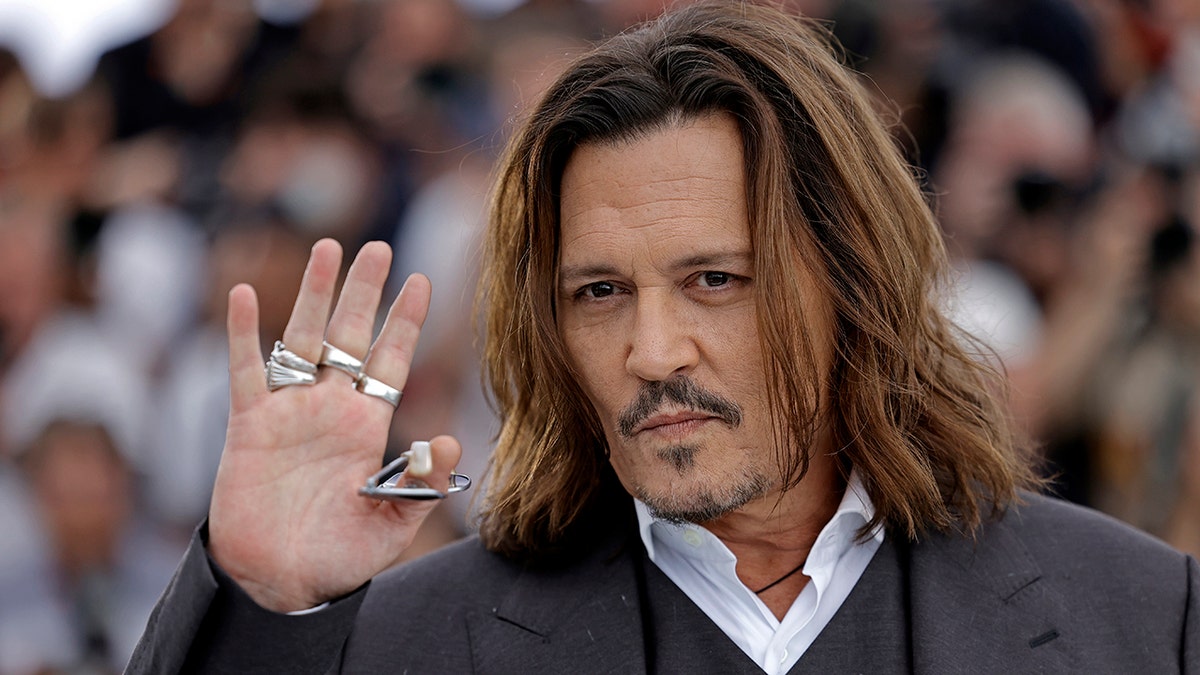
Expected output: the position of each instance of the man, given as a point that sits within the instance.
(737, 433)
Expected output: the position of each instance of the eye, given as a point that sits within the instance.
(599, 289)
(714, 279)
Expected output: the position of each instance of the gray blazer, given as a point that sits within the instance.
(1049, 588)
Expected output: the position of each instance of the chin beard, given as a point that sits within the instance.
(681, 457)
(704, 505)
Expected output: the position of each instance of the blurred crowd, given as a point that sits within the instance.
(1059, 141)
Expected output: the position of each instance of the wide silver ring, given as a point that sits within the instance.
(373, 387)
(290, 359)
(337, 358)
(279, 375)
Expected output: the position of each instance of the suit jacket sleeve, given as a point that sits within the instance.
(205, 623)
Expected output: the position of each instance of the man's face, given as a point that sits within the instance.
(657, 311)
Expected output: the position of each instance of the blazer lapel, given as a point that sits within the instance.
(585, 618)
(982, 606)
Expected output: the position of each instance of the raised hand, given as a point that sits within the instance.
(286, 521)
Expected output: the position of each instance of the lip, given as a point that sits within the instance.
(673, 423)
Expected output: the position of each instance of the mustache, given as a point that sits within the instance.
(681, 391)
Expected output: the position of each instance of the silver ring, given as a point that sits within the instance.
(373, 387)
(337, 358)
(290, 359)
(279, 375)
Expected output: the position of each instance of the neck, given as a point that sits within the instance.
(773, 535)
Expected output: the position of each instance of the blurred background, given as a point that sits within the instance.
(155, 152)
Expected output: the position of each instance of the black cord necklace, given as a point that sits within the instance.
(780, 579)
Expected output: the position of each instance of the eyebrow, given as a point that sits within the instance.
(572, 273)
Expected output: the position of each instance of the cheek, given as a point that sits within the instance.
(595, 351)
(730, 342)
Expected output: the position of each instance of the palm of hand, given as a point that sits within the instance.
(286, 521)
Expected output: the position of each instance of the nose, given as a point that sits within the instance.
(663, 343)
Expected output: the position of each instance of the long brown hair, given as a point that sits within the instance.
(910, 409)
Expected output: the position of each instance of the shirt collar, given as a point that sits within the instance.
(838, 535)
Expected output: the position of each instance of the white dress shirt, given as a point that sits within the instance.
(706, 571)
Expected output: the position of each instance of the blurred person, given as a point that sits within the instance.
(129, 260)
(52, 145)
(526, 50)
(1014, 123)
(1158, 122)
(910, 62)
(22, 552)
(334, 30)
(737, 431)
(188, 75)
(33, 259)
(1147, 406)
(1054, 31)
(1014, 116)
(1131, 46)
(68, 138)
(326, 42)
(73, 414)
(60, 310)
(75, 573)
(1047, 255)
(101, 570)
(179, 94)
(303, 153)
(18, 94)
(148, 278)
(415, 81)
(47, 301)
(418, 85)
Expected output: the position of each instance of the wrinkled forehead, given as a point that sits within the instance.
(682, 171)
(683, 181)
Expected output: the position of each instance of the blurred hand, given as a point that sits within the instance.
(286, 521)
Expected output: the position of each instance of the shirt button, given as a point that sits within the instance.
(692, 537)
(783, 657)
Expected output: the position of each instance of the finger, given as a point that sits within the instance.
(306, 326)
(392, 353)
(246, 378)
(446, 453)
(353, 322)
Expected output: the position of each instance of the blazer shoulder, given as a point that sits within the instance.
(1053, 529)
(1104, 567)
(1053, 587)
(466, 565)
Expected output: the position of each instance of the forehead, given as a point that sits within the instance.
(682, 184)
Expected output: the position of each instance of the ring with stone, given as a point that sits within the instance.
(341, 359)
(373, 387)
